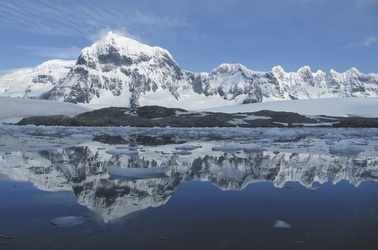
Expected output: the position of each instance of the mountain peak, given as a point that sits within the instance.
(122, 44)
(115, 50)
(304, 69)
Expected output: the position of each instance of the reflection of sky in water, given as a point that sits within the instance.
(211, 198)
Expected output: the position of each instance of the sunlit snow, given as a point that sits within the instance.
(14, 109)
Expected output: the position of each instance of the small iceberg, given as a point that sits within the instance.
(137, 173)
(374, 174)
(184, 152)
(81, 137)
(280, 133)
(227, 149)
(281, 224)
(254, 149)
(187, 147)
(168, 192)
(313, 188)
(121, 152)
(68, 221)
(342, 149)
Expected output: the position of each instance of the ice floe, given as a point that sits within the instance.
(184, 152)
(137, 173)
(81, 137)
(254, 149)
(68, 221)
(281, 224)
(168, 192)
(187, 147)
(280, 133)
(227, 148)
(374, 174)
(345, 149)
(313, 188)
(121, 152)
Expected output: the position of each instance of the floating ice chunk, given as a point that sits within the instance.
(127, 147)
(121, 152)
(299, 242)
(81, 137)
(137, 173)
(227, 149)
(333, 136)
(374, 174)
(313, 188)
(281, 224)
(184, 152)
(168, 192)
(45, 146)
(68, 221)
(255, 149)
(343, 149)
(187, 147)
(280, 133)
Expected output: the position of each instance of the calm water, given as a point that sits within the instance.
(222, 188)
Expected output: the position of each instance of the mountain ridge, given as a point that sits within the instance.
(118, 71)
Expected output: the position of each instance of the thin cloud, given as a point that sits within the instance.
(73, 18)
(369, 40)
(366, 43)
(57, 53)
(104, 32)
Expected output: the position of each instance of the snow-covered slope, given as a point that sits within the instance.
(118, 71)
(32, 82)
(14, 109)
(347, 107)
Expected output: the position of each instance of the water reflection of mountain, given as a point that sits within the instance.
(84, 170)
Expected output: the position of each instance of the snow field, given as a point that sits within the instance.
(345, 107)
(14, 109)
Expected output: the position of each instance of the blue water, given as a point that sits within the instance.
(200, 216)
(209, 199)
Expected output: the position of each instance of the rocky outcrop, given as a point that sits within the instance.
(156, 116)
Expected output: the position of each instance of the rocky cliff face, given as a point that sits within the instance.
(119, 71)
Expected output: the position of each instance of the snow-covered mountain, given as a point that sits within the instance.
(118, 71)
(33, 82)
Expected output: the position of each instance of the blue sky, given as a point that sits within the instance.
(200, 34)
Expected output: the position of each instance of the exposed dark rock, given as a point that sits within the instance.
(151, 116)
(357, 122)
(285, 117)
(156, 112)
